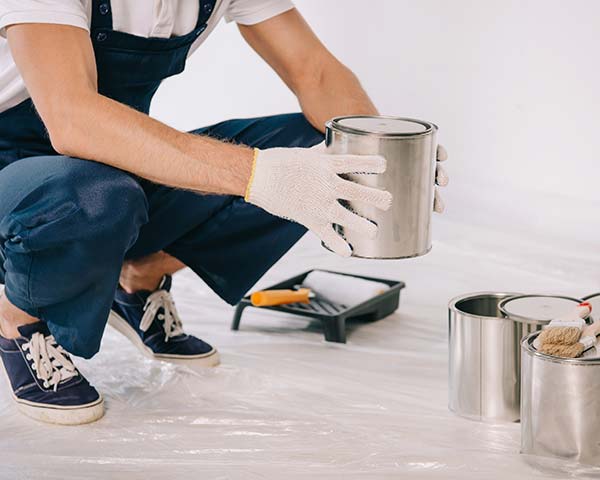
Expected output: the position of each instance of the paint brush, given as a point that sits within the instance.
(566, 330)
(586, 341)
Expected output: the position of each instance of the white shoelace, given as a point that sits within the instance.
(170, 318)
(49, 361)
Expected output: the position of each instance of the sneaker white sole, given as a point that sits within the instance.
(209, 359)
(56, 414)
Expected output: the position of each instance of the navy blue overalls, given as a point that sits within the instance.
(67, 225)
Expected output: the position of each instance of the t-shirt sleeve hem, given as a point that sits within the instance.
(59, 18)
(261, 15)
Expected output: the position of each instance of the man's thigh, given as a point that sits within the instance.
(286, 130)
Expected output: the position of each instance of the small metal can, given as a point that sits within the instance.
(560, 406)
(409, 146)
(483, 367)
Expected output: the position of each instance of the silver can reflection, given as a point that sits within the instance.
(409, 146)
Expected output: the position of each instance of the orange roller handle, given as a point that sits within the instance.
(269, 298)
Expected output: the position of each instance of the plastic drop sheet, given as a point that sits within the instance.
(286, 404)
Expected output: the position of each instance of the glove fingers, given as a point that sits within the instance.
(357, 163)
(334, 242)
(441, 177)
(352, 221)
(438, 203)
(348, 190)
(442, 154)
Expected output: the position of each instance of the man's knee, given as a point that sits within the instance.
(106, 196)
(84, 197)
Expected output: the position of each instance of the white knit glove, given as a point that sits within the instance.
(441, 179)
(303, 185)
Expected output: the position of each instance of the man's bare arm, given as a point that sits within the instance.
(325, 88)
(57, 64)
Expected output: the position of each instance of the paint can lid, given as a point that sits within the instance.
(381, 126)
(537, 309)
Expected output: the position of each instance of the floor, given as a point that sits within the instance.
(286, 404)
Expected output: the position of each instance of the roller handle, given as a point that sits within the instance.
(269, 298)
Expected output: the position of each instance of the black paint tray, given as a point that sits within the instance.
(333, 316)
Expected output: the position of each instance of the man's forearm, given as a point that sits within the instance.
(103, 130)
(57, 64)
(336, 92)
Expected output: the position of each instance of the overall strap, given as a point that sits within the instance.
(101, 15)
(205, 9)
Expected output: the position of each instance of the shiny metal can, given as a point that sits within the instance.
(409, 146)
(484, 359)
(560, 406)
(485, 333)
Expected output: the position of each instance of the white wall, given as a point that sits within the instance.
(513, 85)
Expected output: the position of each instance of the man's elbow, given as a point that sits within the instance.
(60, 142)
(64, 123)
(320, 71)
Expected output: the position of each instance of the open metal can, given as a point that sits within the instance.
(484, 364)
(409, 146)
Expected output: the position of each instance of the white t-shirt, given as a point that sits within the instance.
(145, 18)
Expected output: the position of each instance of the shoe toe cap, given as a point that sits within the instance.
(187, 345)
(71, 394)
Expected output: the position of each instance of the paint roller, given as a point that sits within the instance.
(332, 287)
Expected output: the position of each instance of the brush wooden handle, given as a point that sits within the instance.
(581, 311)
(269, 298)
(592, 330)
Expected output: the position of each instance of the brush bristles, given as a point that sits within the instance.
(565, 351)
(560, 335)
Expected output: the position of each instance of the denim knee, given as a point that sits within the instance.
(111, 203)
(76, 200)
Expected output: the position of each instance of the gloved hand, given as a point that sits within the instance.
(441, 179)
(303, 185)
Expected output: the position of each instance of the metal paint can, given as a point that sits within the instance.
(483, 363)
(560, 406)
(485, 333)
(409, 146)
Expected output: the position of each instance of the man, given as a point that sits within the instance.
(100, 204)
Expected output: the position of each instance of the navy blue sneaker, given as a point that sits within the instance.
(151, 322)
(45, 383)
